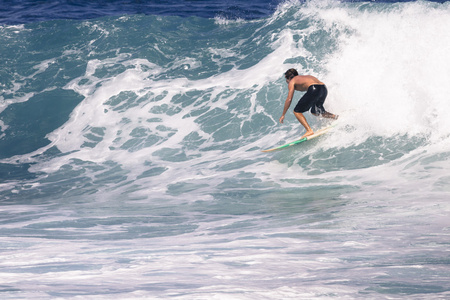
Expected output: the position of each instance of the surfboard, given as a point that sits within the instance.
(316, 134)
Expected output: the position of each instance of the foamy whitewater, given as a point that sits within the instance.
(131, 163)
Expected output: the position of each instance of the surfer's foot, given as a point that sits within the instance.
(308, 133)
(330, 116)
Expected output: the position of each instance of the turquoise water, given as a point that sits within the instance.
(131, 163)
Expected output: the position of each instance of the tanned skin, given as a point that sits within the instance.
(302, 83)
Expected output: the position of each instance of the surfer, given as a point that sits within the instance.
(313, 99)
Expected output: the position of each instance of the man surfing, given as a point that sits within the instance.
(313, 99)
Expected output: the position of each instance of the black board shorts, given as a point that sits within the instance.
(313, 99)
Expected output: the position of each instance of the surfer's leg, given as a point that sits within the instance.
(317, 109)
(301, 118)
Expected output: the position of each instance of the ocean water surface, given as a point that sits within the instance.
(130, 151)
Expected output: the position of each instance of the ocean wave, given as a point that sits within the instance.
(157, 90)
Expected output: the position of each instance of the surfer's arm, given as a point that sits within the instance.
(288, 101)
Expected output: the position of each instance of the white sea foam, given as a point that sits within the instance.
(391, 71)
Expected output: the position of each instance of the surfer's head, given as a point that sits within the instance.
(291, 73)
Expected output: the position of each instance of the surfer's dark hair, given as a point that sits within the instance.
(291, 73)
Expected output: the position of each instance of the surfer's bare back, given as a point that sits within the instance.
(313, 99)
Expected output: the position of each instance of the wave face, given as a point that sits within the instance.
(131, 164)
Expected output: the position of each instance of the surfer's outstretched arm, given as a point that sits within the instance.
(288, 101)
(287, 104)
